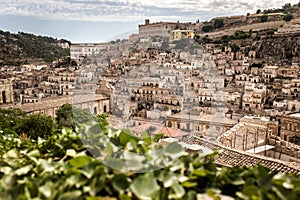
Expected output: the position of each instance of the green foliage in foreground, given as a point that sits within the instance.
(73, 164)
(62, 168)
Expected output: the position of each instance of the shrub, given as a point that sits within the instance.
(207, 28)
(219, 23)
(36, 125)
(288, 17)
(264, 18)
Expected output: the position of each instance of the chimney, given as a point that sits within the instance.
(147, 21)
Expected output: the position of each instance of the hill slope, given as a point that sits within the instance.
(22, 48)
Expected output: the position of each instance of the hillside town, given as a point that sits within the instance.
(231, 83)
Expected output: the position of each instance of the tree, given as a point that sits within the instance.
(287, 8)
(10, 118)
(68, 116)
(288, 17)
(219, 23)
(234, 48)
(207, 39)
(64, 116)
(102, 120)
(264, 18)
(36, 125)
(207, 28)
(258, 11)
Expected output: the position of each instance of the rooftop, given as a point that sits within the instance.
(295, 115)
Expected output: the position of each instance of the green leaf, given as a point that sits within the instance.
(238, 181)
(177, 165)
(174, 148)
(146, 138)
(11, 154)
(23, 170)
(200, 172)
(120, 183)
(71, 153)
(189, 184)
(35, 153)
(125, 136)
(288, 185)
(80, 161)
(124, 197)
(191, 195)
(76, 194)
(279, 193)
(179, 191)
(46, 189)
(108, 149)
(169, 180)
(250, 190)
(145, 186)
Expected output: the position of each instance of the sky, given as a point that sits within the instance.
(82, 21)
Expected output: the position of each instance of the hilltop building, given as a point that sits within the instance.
(162, 29)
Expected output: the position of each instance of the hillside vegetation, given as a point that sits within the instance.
(22, 48)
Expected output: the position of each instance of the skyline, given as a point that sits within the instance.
(102, 20)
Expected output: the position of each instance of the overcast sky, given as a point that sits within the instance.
(101, 20)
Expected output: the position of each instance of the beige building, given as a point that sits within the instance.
(81, 50)
(176, 35)
(254, 99)
(289, 72)
(269, 72)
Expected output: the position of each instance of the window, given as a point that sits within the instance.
(3, 97)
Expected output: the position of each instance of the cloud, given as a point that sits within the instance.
(133, 10)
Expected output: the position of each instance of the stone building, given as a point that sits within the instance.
(269, 73)
(211, 125)
(6, 90)
(289, 126)
(161, 29)
(251, 132)
(79, 51)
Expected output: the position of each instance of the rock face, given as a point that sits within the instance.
(280, 48)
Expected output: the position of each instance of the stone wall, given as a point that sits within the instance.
(284, 147)
(98, 104)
